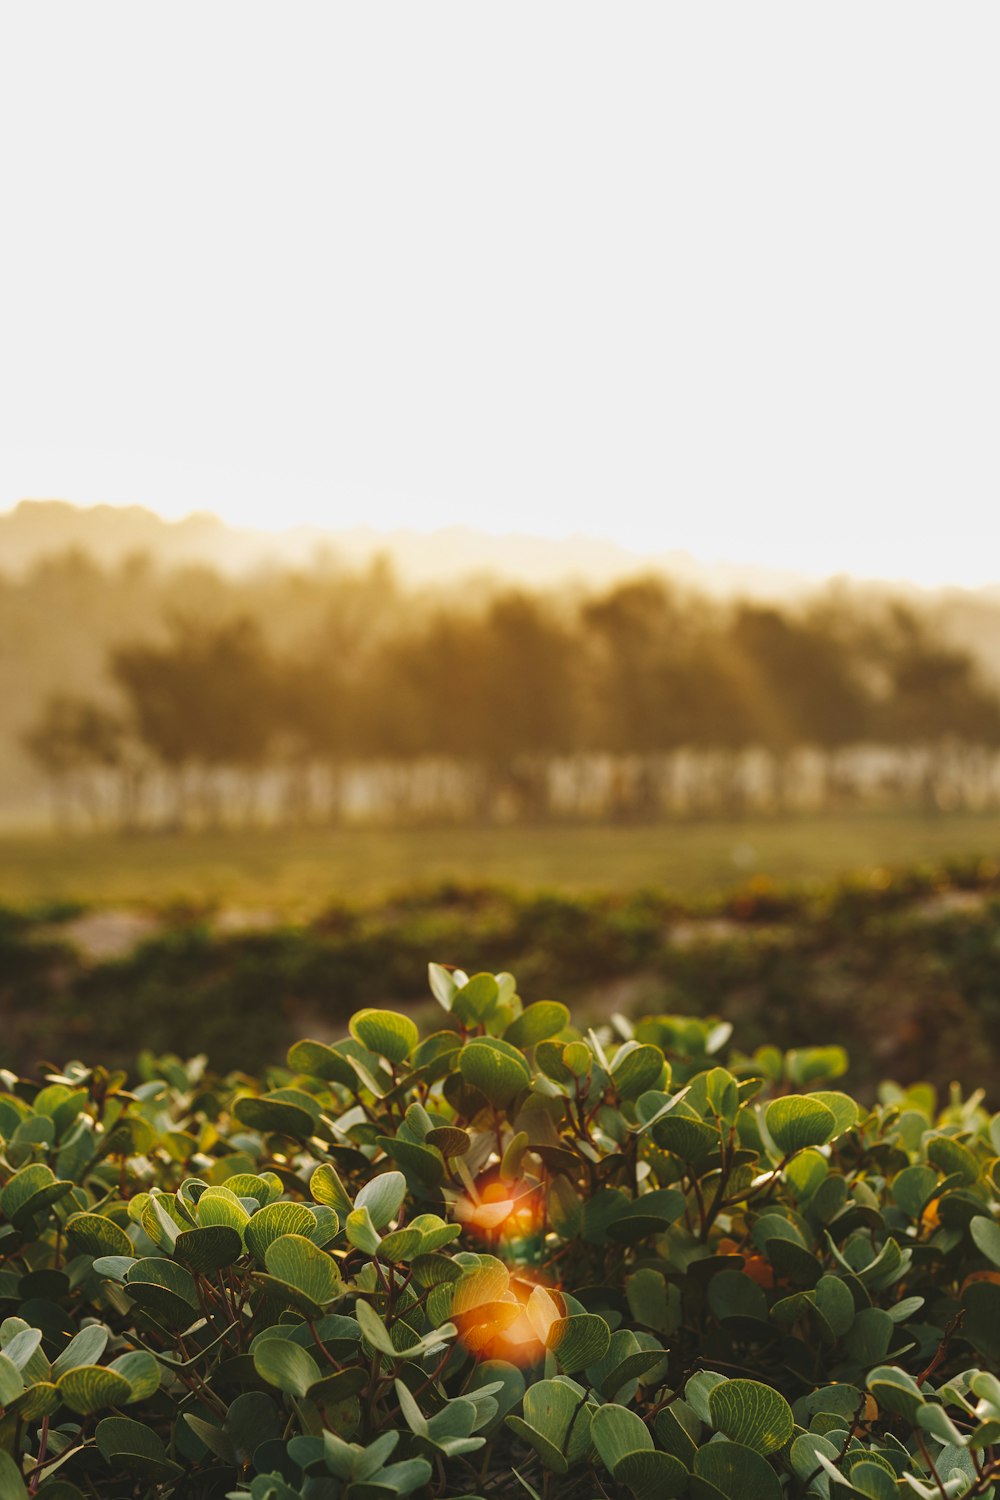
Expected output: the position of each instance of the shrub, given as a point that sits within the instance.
(902, 971)
(502, 1259)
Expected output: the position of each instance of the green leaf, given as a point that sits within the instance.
(85, 1348)
(835, 1302)
(208, 1250)
(320, 1061)
(11, 1381)
(986, 1234)
(327, 1188)
(165, 1289)
(282, 1112)
(306, 1275)
(874, 1481)
(494, 1067)
(896, 1391)
(135, 1447)
(29, 1191)
(547, 1450)
(733, 1295)
(544, 1019)
(361, 1232)
(422, 1164)
(556, 1422)
(845, 1110)
(219, 1206)
(449, 1140)
(443, 987)
(565, 1209)
(22, 1351)
(639, 1067)
(11, 1482)
(804, 1457)
(649, 1300)
(798, 1120)
(615, 1431)
(627, 1371)
(272, 1222)
(90, 1388)
(285, 1365)
(579, 1341)
(869, 1336)
(141, 1370)
(736, 1471)
(913, 1188)
(383, 1197)
(386, 1033)
(475, 999)
(377, 1335)
(92, 1234)
(751, 1413)
(951, 1156)
(651, 1475)
(214, 1439)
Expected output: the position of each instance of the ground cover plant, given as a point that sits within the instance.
(900, 966)
(505, 1258)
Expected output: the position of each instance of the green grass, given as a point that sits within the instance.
(304, 870)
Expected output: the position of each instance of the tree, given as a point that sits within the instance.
(204, 701)
(75, 741)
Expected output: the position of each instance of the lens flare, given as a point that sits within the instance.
(509, 1220)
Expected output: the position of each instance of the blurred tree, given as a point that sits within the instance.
(203, 702)
(798, 683)
(934, 699)
(76, 742)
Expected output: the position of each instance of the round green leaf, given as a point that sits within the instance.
(285, 1365)
(736, 1471)
(383, 1197)
(93, 1235)
(320, 1061)
(799, 1120)
(544, 1019)
(495, 1068)
(986, 1234)
(207, 1250)
(751, 1413)
(282, 1112)
(305, 1270)
(615, 1432)
(386, 1033)
(651, 1475)
(89, 1388)
(272, 1222)
(641, 1068)
(136, 1448)
(845, 1111)
(579, 1341)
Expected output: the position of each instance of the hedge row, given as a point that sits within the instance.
(508, 1257)
(893, 969)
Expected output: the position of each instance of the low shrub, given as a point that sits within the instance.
(902, 970)
(506, 1258)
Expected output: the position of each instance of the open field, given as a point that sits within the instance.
(302, 871)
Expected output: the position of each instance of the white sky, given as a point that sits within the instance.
(715, 276)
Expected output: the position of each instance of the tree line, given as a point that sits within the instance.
(636, 703)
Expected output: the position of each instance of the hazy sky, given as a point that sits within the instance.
(715, 276)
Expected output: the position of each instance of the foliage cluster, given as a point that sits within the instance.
(496, 705)
(902, 971)
(506, 1258)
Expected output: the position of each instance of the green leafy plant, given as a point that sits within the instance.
(506, 1257)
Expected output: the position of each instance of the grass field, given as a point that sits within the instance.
(302, 871)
